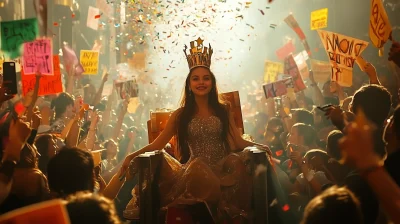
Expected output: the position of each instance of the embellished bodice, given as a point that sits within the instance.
(205, 139)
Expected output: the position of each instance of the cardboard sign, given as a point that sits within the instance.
(284, 51)
(38, 56)
(292, 23)
(15, 33)
(290, 68)
(342, 52)
(278, 88)
(50, 212)
(271, 71)
(379, 24)
(92, 22)
(49, 84)
(319, 19)
(90, 62)
(322, 70)
(301, 63)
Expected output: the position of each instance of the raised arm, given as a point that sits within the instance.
(318, 97)
(97, 97)
(371, 72)
(158, 144)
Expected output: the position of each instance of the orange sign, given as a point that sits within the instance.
(49, 84)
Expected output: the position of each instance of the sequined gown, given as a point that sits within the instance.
(211, 175)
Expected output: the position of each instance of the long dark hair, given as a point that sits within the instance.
(188, 110)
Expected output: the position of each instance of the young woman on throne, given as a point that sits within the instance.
(210, 168)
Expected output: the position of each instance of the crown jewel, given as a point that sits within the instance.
(199, 56)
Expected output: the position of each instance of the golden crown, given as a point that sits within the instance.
(199, 56)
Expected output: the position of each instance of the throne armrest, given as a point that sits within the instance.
(149, 200)
(259, 167)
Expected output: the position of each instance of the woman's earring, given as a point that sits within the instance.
(190, 91)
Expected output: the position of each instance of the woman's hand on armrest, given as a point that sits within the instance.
(158, 144)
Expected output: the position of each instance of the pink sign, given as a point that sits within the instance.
(70, 59)
(284, 51)
(38, 56)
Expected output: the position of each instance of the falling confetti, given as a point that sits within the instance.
(97, 16)
(262, 12)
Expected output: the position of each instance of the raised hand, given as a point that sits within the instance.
(105, 74)
(370, 70)
(3, 96)
(36, 118)
(357, 146)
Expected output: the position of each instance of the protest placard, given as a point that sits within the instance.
(93, 22)
(322, 70)
(301, 63)
(15, 33)
(292, 23)
(49, 212)
(319, 19)
(38, 56)
(284, 51)
(278, 88)
(90, 62)
(271, 71)
(290, 68)
(379, 24)
(342, 53)
(49, 84)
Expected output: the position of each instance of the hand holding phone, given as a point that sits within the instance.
(325, 107)
(9, 78)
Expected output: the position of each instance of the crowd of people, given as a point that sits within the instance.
(334, 152)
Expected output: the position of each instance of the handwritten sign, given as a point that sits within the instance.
(301, 63)
(379, 24)
(271, 71)
(278, 88)
(284, 51)
(49, 84)
(38, 55)
(93, 22)
(342, 52)
(15, 33)
(90, 62)
(51, 212)
(319, 19)
(292, 23)
(322, 70)
(290, 68)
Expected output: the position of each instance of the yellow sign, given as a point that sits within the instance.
(379, 24)
(319, 19)
(90, 62)
(271, 71)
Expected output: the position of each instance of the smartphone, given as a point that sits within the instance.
(323, 108)
(10, 78)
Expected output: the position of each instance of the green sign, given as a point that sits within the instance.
(15, 33)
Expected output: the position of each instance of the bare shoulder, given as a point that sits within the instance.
(176, 113)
